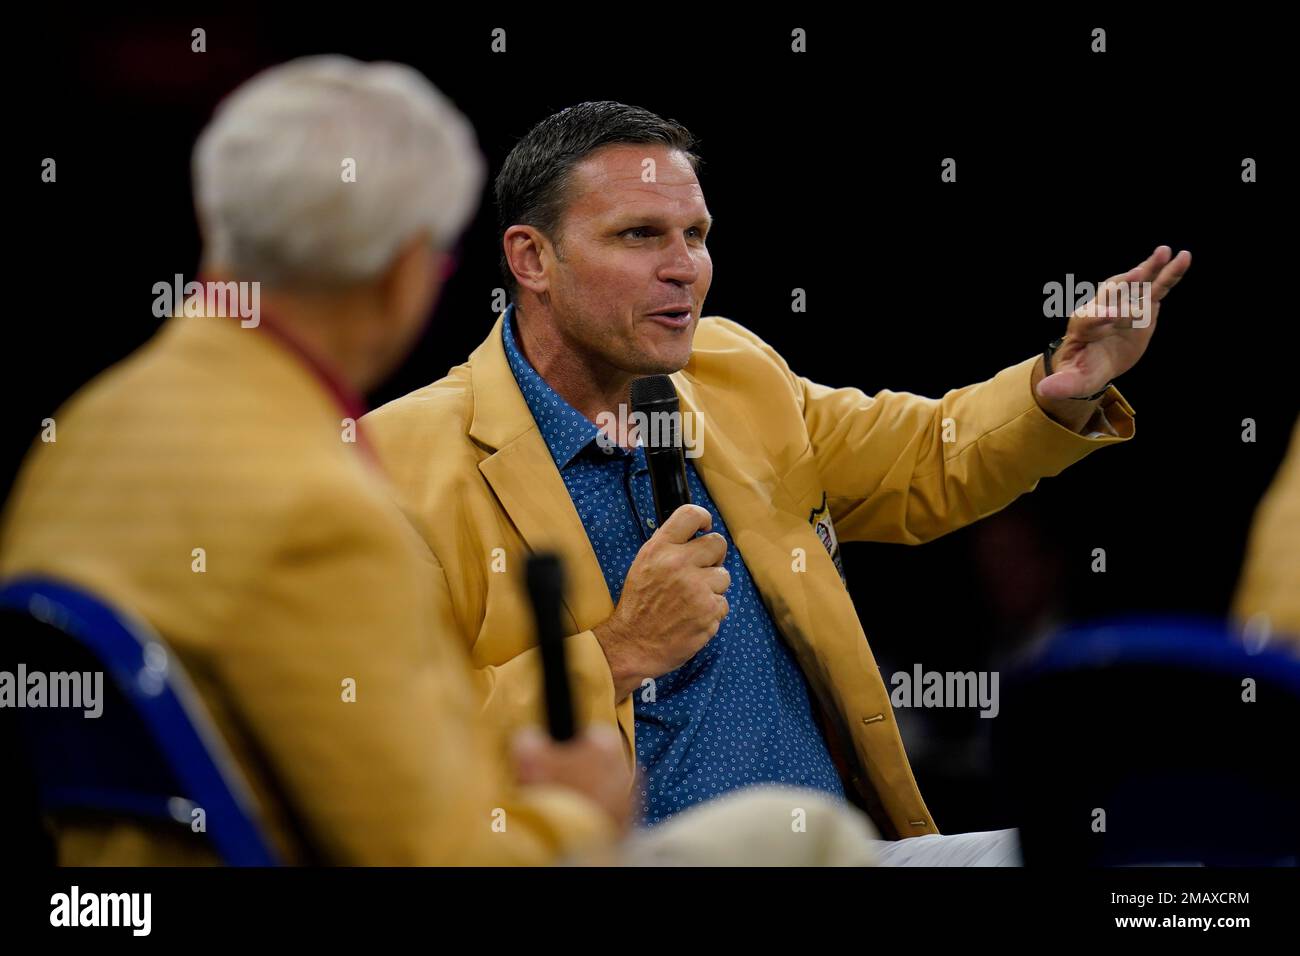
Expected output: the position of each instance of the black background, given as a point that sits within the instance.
(822, 172)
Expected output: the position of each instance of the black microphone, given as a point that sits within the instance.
(544, 577)
(656, 398)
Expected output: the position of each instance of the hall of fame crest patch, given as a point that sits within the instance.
(820, 519)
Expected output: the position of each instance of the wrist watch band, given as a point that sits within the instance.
(1052, 346)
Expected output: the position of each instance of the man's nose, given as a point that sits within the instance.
(679, 264)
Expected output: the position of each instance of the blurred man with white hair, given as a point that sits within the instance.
(216, 485)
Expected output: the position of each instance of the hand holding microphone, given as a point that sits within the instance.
(672, 601)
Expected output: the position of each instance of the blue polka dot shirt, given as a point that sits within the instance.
(737, 713)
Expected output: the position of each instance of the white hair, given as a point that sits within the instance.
(270, 171)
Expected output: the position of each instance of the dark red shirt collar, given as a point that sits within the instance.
(348, 399)
(350, 402)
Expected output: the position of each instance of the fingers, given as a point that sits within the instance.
(1126, 300)
(683, 523)
(1162, 269)
(707, 550)
(1150, 266)
(1131, 301)
(723, 608)
(719, 580)
(1107, 305)
(1171, 275)
(528, 753)
(539, 759)
(1116, 283)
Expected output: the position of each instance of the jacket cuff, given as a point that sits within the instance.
(1049, 434)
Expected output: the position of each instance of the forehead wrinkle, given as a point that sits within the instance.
(603, 201)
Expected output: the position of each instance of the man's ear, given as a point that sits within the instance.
(413, 281)
(528, 253)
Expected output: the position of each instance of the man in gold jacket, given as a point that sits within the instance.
(215, 485)
(608, 267)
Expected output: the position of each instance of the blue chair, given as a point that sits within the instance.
(1144, 720)
(153, 754)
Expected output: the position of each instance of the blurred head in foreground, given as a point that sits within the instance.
(341, 188)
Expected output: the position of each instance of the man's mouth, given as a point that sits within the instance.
(673, 317)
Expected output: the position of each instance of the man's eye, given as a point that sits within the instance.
(637, 232)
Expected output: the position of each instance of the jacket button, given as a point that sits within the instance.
(873, 719)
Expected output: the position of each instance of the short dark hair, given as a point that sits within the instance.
(530, 189)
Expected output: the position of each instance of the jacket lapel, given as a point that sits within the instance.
(524, 478)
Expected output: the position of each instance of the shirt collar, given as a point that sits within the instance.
(349, 401)
(565, 430)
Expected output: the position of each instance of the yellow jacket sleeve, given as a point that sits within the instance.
(903, 468)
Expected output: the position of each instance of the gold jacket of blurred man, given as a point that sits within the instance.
(210, 484)
(1268, 596)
